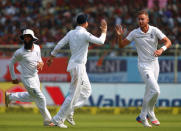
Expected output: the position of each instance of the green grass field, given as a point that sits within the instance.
(86, 122)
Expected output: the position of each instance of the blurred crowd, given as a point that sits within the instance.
(51, 19)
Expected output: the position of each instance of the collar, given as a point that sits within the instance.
(80, 28)
(149, 30)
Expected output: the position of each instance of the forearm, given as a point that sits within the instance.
(11, 70)
(102, 38)
(96, 40)
(56, 49)
(167, 44)
(120, 41)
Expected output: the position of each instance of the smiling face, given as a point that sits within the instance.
(143, 20)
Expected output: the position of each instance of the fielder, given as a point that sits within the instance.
(80, 88)
(29, 58)
(146, 40)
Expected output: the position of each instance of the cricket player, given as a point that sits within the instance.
(146, 40)
(80, 88)
(29, 59)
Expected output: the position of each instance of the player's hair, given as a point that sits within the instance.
(142, 12)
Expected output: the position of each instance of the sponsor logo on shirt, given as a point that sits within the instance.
(143, 36)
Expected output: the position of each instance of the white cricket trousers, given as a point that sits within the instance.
(149, 72)
(79, 92)
(32, 85)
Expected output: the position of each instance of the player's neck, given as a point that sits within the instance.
(83, 26)
(32, 47)
(145, 28)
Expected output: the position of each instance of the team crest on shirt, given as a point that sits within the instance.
(151, 35)
(147, 76)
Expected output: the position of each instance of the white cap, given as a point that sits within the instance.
(28, 32)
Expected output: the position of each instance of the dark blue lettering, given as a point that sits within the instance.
(108, 102)
(163, 102)
(117, 98)
(92, 103)
(176, 102)
(138, 102)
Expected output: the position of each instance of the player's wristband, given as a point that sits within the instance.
(164, 48)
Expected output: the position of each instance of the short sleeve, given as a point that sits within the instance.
(130, 36)
(159, 33)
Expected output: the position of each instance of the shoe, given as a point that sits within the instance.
(71, 120)
(154, 122)
(7, 100)
(48, 123)
(59, 124)
(143, 122)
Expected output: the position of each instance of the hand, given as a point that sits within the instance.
(103, 26)
(158, 52)
(15, 81)
(40, 65)
(119, 30)
(50, 60)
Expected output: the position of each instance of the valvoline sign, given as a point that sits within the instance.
(114, 95)
(117, 101)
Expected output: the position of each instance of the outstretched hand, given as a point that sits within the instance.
(50, 60)
(119, 30)
(103, 26)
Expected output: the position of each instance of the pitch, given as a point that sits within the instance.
(86, 122)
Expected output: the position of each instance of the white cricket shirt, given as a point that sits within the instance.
(27, 60)
(78, 40)
(146, 43)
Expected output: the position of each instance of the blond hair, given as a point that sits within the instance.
(142, 12)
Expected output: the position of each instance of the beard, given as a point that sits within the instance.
(28, 45)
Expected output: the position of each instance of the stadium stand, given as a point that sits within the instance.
(51, 19)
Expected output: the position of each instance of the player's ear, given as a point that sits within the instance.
(148, 20)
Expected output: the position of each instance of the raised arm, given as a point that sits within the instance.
(119, 31)
(102, 38)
